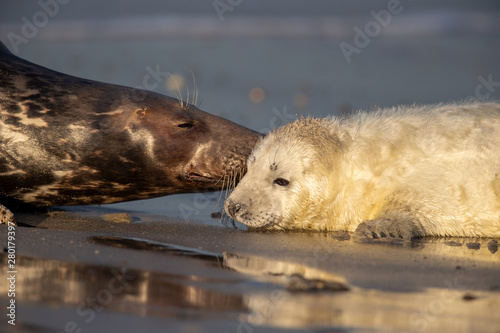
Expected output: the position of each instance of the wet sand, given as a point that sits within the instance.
(97, 275)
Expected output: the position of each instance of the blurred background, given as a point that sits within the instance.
(261, 63)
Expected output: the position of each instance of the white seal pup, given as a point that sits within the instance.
(403, 172)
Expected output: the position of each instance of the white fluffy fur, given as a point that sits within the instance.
(405, 172)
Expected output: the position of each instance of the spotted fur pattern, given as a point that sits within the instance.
(66, 140)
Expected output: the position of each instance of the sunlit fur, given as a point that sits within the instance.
(437, 167)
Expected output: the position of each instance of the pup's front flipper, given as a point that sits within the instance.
(390, 229)
(6, 216)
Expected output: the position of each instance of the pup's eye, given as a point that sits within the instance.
(281, 182)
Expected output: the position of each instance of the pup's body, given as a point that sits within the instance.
(403, 172)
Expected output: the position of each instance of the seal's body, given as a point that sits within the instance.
(404, 172)
(66, 140)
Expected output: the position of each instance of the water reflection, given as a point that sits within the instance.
(264, 293)
(149, 245)
(93, 287)
(295, 277)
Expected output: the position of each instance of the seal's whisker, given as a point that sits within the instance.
(199, 103)
(237, 175)
(195, 91)
(221, 178)
(196, 96)
(220, 195)
(228, 186)
(178, 93)
(227, 190)
(232, 180)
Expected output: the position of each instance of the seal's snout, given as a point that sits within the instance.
(233, 208)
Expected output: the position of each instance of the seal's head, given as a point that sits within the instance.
(66, 140)
(193, 148)
(288, 173)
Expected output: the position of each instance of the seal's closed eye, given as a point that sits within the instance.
(186, 125)
(281, 182)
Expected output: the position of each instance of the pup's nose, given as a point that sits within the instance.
(232, 208)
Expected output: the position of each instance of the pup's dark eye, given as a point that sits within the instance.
(281, 182)
(186, 125)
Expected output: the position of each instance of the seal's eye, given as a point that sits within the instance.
(186, 125)
(281, 182)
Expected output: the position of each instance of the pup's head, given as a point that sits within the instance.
(288, 174)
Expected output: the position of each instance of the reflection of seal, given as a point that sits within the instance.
(403, 173)
(66, 140)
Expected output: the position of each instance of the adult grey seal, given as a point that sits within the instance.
(70, 141)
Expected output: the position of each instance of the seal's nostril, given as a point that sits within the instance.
(234, 207)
